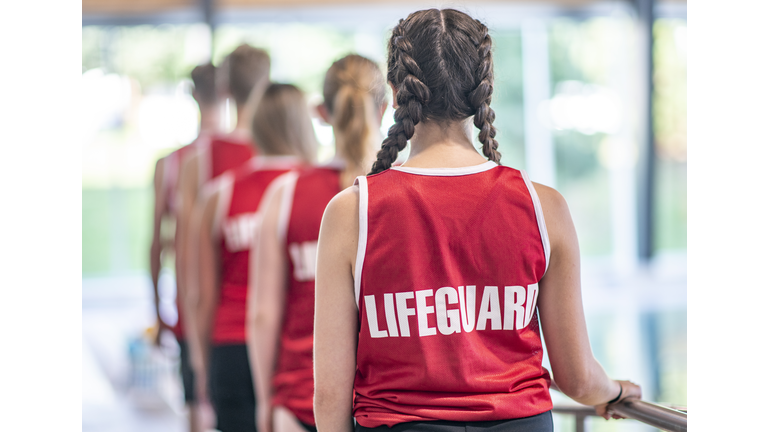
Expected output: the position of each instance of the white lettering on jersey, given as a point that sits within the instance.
(403, 311)
(467, 307)
(519, 304)
(239, 231)
(373, 321)
(489, 309)
(422, 311)
(533, 295)
(389, 309)
(448, 321)
(514, 311)
(304, 257)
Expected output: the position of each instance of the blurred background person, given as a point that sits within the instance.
(244, 75)
(283, 133)
(166, 206)
(282, 284)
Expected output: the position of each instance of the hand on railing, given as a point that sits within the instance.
(629, 390)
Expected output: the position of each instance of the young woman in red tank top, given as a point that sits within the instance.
(230, 213)
(282, 286)
(432, 276)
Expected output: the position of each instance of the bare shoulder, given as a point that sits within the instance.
(340, 223)
(552, 203)
(343, 208)
(339, 230)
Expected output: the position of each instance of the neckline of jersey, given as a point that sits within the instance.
(447, 172)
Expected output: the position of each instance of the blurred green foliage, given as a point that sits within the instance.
(670, 127)
(117, 226)
(508, 97)
(152, 55)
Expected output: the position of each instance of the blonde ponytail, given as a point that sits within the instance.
(354, 124)
(354, 90)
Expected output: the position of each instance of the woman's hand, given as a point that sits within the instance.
(629, 390)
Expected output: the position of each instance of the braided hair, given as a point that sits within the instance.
(441, 65)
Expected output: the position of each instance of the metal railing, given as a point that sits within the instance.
(664, 418)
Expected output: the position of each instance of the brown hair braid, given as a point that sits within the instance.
(441, 65)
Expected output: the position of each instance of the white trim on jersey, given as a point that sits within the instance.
(223, 186)
(285, 162)
(362, 237)
(539, 217)
(288, 182)
(447, 172)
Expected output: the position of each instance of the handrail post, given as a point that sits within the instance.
(581, 422)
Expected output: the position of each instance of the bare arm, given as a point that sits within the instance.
(575, 368)
(206, 286)
(336, 317)
(161, 207)
(187, 197)
(266, 303)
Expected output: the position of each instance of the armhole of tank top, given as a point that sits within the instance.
(362, 236)
(288, 183)
(224, 188)
(539, 218)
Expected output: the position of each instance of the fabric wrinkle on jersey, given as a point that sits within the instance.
(293, 381)
(456, 234)
(240, 195)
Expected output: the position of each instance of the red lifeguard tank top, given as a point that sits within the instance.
(446, 280)
(236, 221)
(293, 381)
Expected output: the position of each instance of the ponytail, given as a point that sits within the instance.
(353, 91)
(354, 124)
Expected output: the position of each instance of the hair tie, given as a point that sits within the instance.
(621, 390)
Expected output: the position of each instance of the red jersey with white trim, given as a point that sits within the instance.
(237, 219)
(446, 281)
(224, 152)
(293, 381)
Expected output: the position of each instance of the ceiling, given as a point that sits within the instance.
(148, 7)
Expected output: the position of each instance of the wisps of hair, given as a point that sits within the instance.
(441, 65)
(353, 91)
(204, 80)
(282, 125)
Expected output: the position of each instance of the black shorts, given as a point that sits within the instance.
(308, 428)
(231, 389)
(187, 375)
(538, 423)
